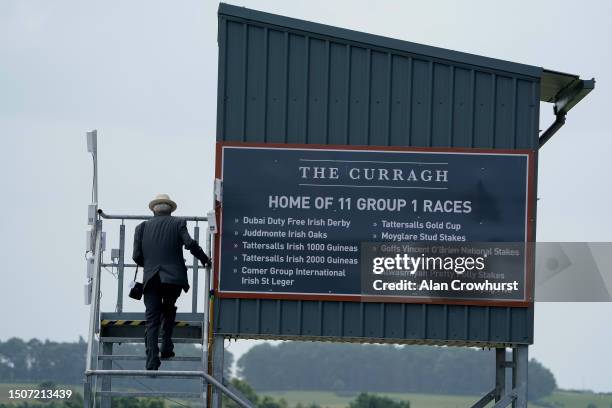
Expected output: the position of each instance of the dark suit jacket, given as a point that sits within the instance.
(158, 248)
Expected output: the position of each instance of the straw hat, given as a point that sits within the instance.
(162, 199)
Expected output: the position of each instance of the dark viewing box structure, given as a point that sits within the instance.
(283, 80)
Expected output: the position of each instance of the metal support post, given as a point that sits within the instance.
(120, 267)
(93, 308)
(218, 354)
(194, 294)
(92, 352)
(207, 283)
(105, 400)
(205, 322)
(98, 275)
(87, 394)
(514, 378)
(500, 373)
(520, 357)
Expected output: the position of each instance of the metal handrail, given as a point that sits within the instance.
(130, 265)
(145, 217)
(152, 373)
(120, 262)
(91, 370)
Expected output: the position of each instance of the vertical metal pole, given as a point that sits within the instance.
(207, 307)
(218, 352)
(92, 359)
(87, 394)
(98, 274)
(514, 377)
(206, 320)
(90, 383)
(120, 267)
(194, 294)
(107, 349)
(207, 280)
(500, 373)
(521, 361)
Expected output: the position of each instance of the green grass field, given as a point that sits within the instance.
(578, 399)
(561, 399)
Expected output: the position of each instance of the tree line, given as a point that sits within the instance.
(337, 367)
(343, 367)
(36, 361)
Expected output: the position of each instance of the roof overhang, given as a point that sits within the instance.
(564, 91)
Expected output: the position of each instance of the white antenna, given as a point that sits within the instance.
(92, 147)
(92, 209)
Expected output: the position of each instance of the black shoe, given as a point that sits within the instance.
(154, 368)
(167, 354)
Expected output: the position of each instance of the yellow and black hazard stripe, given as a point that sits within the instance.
(135, 323)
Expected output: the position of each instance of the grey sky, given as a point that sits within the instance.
(144, 74)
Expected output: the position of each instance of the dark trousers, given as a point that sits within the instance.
(159, 299)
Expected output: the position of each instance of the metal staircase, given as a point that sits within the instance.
(109, 329)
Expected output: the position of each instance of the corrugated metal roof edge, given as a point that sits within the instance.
(377, 40)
